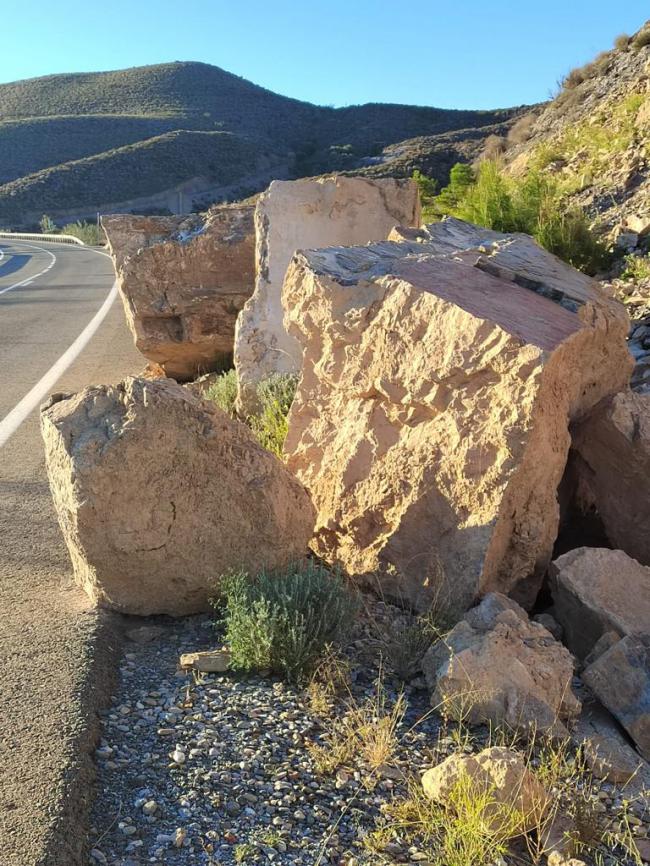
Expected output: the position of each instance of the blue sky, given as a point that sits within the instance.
(468, 54)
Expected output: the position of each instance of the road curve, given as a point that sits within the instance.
(55, 650)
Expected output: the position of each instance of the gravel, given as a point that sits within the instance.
(213, 769)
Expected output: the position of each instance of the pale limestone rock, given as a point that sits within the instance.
(495, 666)
(208, 662)
(158, 494)
(516, 801)
(597, 591)
(611, 455)
(439, 377)
(620, 679)
(300, 214)
(183, 282)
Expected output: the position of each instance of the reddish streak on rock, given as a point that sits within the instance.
(532, 317)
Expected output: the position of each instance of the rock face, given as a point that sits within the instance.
(516, 801)
(598, 591)
(611, 450)
(439, 377)
(159, 493)
(620, 679)
(496, 666)
(301, 214)
(183, 282)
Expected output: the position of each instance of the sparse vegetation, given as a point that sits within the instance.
(641, 39)
(366, 732)
(275, 396)
(637, 268)
(282, 622)
(533, 204)
(87, 232)
(269, 423)
(47, 225)
(223, 392)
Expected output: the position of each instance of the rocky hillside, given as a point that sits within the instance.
(594, 137)
(75, 144)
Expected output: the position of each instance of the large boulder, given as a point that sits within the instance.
(515, 801)
(597, 591)
(497, 667)
(183, 282)
(300, 214)
(159, 493)
(611, 459)
(440, 374)
(620, 679)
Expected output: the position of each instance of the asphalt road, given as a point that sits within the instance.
(56, 652)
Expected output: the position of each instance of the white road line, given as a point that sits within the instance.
(35, 276)
(11, 422)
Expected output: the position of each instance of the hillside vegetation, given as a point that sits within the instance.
(63, 137)
(131, 171)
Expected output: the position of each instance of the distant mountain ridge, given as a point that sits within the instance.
(78, 143)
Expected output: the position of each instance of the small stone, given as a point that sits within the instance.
(150, 807)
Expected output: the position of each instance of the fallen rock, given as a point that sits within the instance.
(158, 493)
(495, 666)
(515, 800)
(597, 591)
(183, 282)
(611, 451)
(299, 214)
(620, 679)
(550, 624)
(145, 633)
(209, 662)
(608, 760)
(430, 424)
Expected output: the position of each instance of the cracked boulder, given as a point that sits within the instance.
(300, 214)
(497, 667)
(440, 374)
(159, 493)
(183, 281)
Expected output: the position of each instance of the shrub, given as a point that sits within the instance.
(48, 226)
(269, 423)
(641, 39)
(495, 145)
(275, 396)
(533, 205)
(223, 391)
(622, 42)
(522, 129)
(86, 232)
(637, 268)
(282, 622)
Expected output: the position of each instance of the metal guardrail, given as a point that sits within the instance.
(59, 239)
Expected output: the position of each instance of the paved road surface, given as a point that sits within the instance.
(55, 651)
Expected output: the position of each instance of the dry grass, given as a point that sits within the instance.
(366, 734)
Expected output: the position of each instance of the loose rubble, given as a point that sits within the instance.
(495, 666)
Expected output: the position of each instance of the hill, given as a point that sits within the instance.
(66, 140)
(593, 137)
